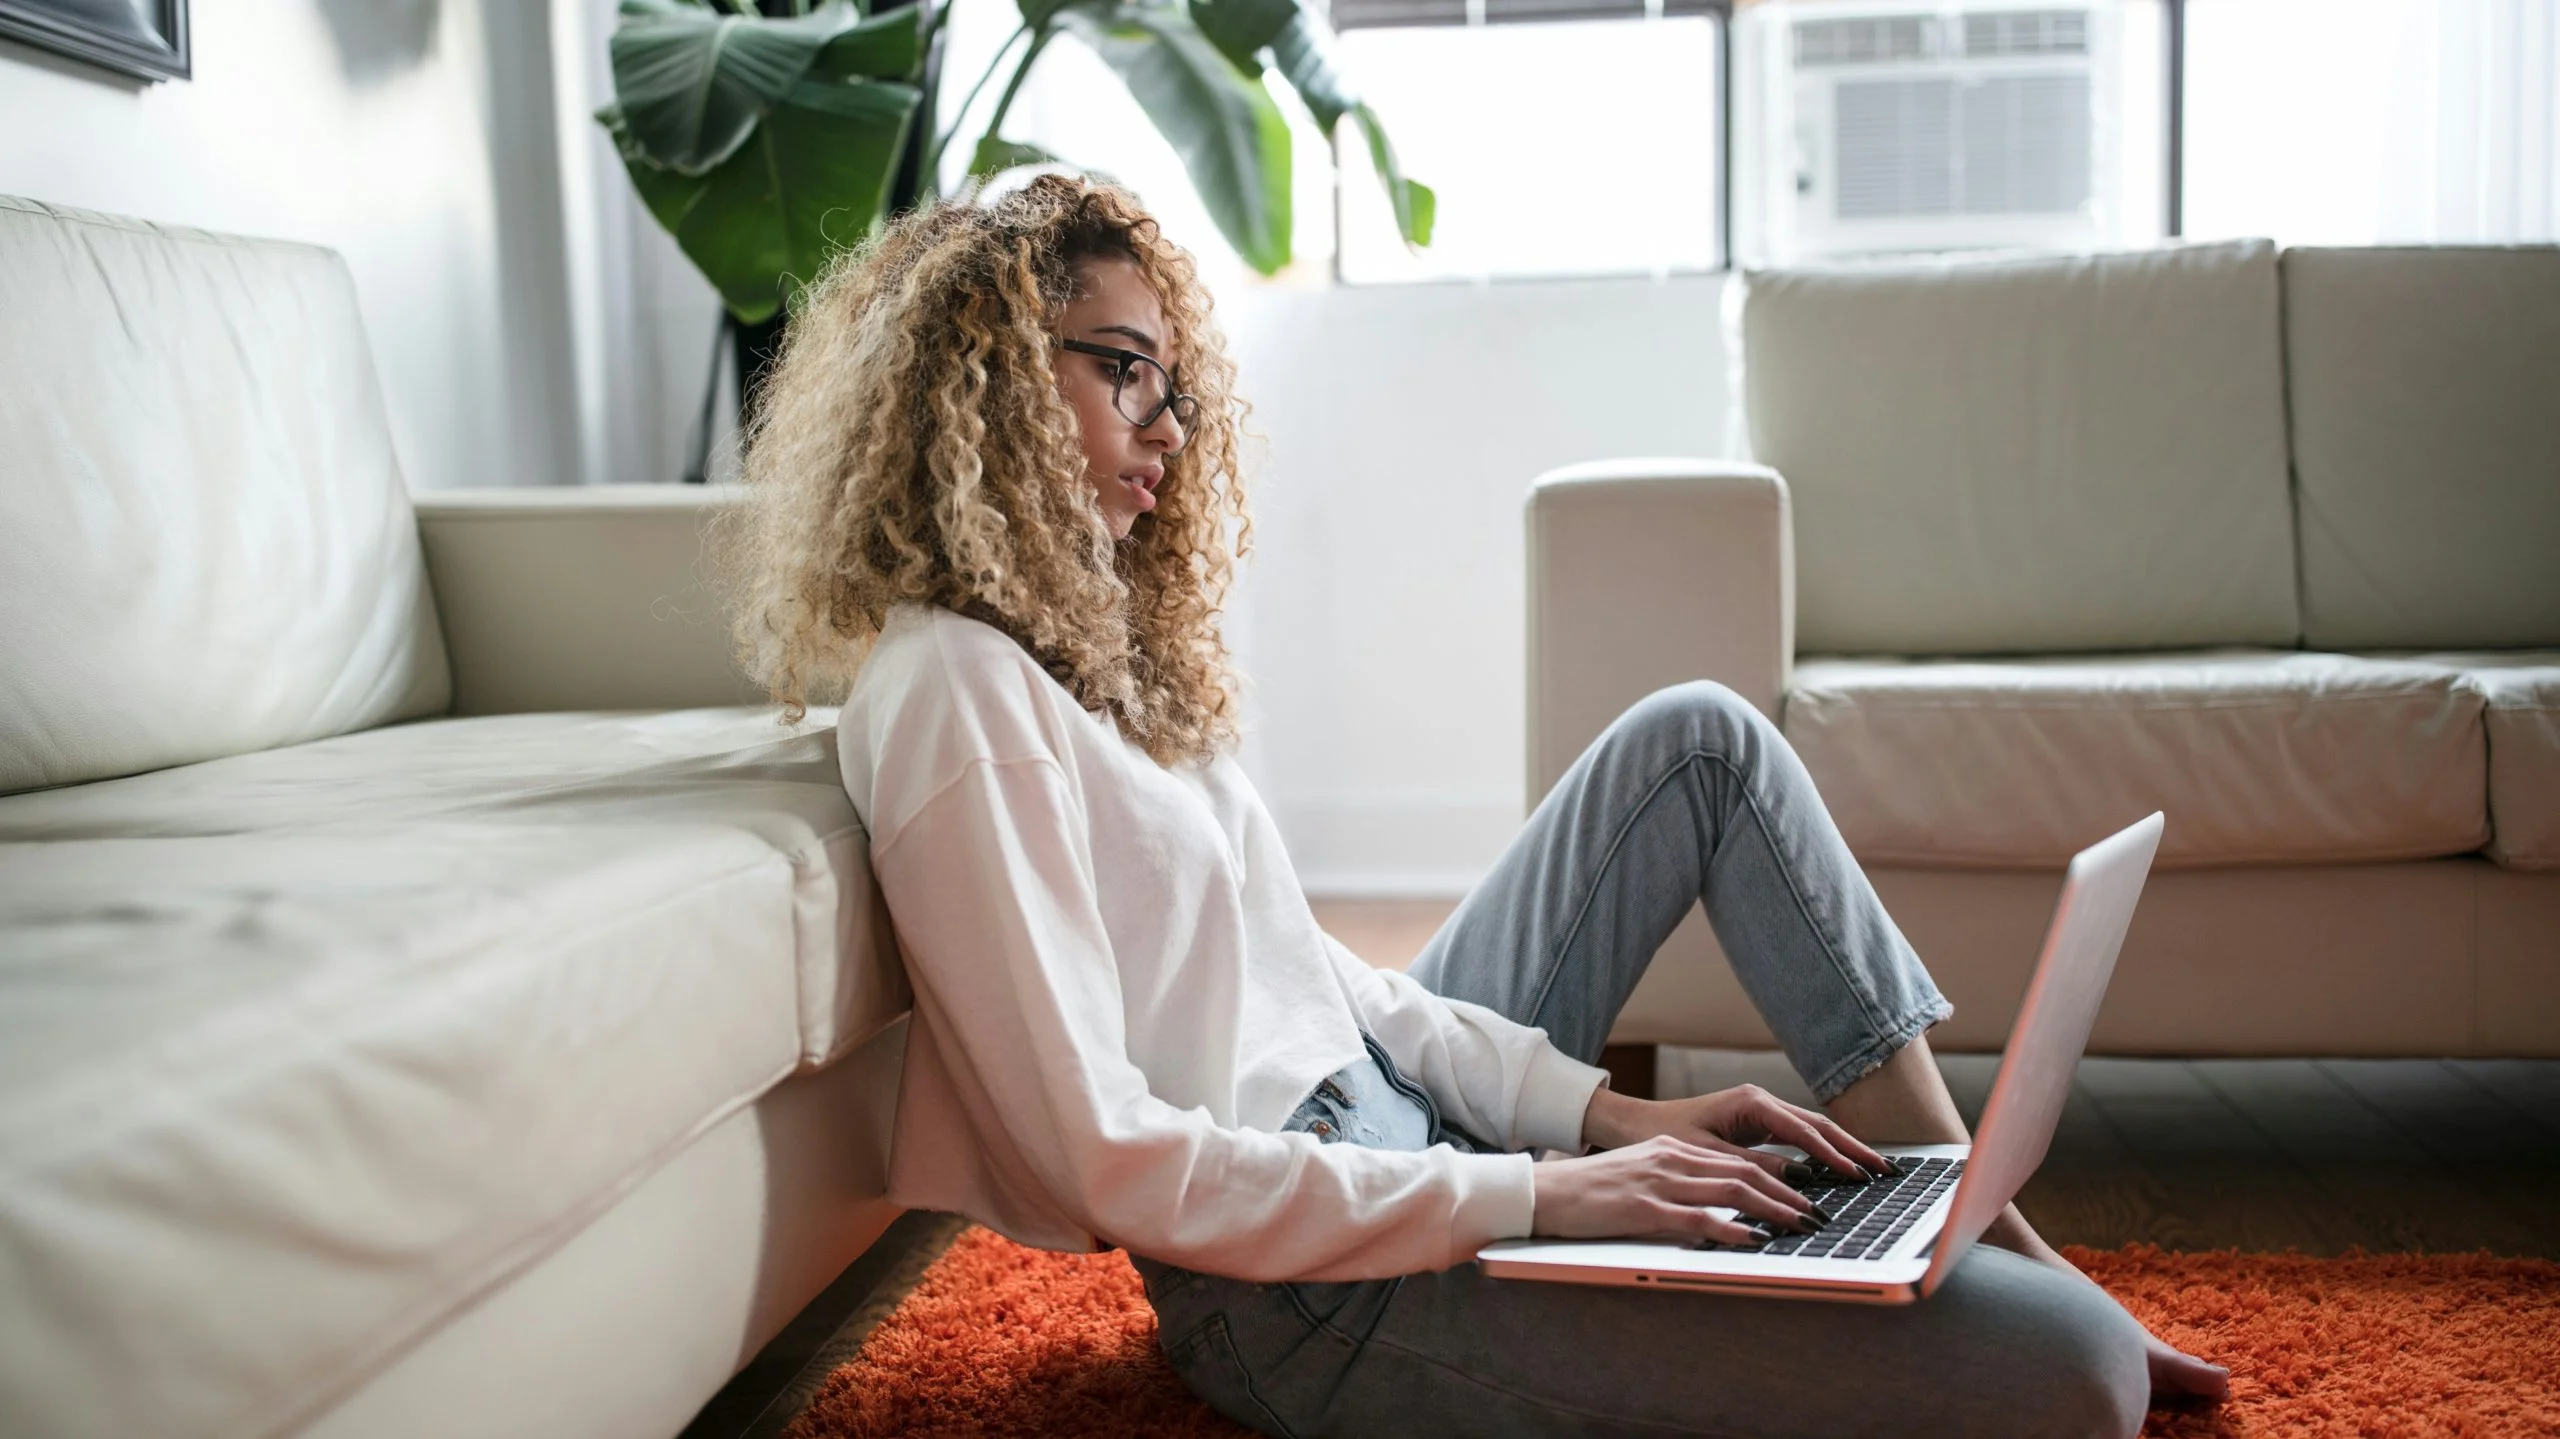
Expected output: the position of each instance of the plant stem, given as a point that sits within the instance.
(1013, 86)
(933, 156)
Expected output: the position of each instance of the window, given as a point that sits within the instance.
(2360, 122)
(1563, 137)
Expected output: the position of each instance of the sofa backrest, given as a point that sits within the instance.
(2425, 392)
(2025, 455)
(205, 544)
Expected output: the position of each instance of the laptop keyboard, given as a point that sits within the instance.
(1868, 1219)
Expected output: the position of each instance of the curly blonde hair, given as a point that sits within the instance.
(911, 445)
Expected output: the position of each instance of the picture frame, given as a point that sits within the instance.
(147, 40)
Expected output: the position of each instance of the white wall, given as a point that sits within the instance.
(413, 136)
(1382, 618)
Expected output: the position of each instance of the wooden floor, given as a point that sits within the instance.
(2316, 1155)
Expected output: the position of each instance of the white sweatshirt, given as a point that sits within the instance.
(1121, 994)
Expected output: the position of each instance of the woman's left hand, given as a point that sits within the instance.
(1731, 1121)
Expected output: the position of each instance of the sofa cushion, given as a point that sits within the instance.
(2257, 757)
(2523, 692)
(2029, 455)
(734, 768)
(2427, 444)
(205, 545)
(301, 1051)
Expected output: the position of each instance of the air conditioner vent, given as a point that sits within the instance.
(2026, 144)
(1933, 145)
(1998, 34)
(1865, 40)
(1897, 143)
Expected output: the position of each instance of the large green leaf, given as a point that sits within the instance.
(813, 178)
(888, 46)
(1302, 48)
(1303, 52)
(692, 81)
(1220, 120)
(1242, 28)
(667, 193)
(1416, 205)
(994, 156)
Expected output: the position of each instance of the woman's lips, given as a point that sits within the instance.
(1139, 495)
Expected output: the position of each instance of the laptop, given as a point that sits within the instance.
(1894, 1240)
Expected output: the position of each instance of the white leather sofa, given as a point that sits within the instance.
(2270, 542)
(435, 999)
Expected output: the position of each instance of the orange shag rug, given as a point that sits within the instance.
(999, 1340)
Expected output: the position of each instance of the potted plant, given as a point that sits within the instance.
(764, 142)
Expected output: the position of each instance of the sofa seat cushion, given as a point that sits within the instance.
(733, 768)
(2522, 688)
(2258, 757)
(301, 1051)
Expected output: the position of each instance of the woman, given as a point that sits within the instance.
(995, 496)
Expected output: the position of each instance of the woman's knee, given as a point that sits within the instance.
(1698, 713)
(2098, 1384)
(2071, 1359)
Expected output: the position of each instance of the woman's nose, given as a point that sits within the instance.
(1164, 432)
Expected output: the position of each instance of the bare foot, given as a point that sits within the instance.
(2175, 1374)
(1905, 1100)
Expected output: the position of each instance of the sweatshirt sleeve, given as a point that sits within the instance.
(1495, 1078)
(990, 882)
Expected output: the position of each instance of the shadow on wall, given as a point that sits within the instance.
(377, 39)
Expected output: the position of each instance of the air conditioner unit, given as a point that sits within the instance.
(1884, 127)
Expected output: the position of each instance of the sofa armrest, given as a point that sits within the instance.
(1652, 572)
(579, 598)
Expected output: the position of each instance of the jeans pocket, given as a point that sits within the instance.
(1164, 1281)
(1348, 1309)
(1206, 1361)
(1321, 1115)
(1320, 1301)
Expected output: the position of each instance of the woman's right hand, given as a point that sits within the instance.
(1662, 1187)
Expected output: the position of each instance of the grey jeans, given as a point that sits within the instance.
(1691, 795)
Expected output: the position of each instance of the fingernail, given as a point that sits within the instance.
(1797, 1172)
(1892, 1168)
(1804, 1225)
(1818, 1212)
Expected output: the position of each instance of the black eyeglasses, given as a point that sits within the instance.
(1141, 389)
